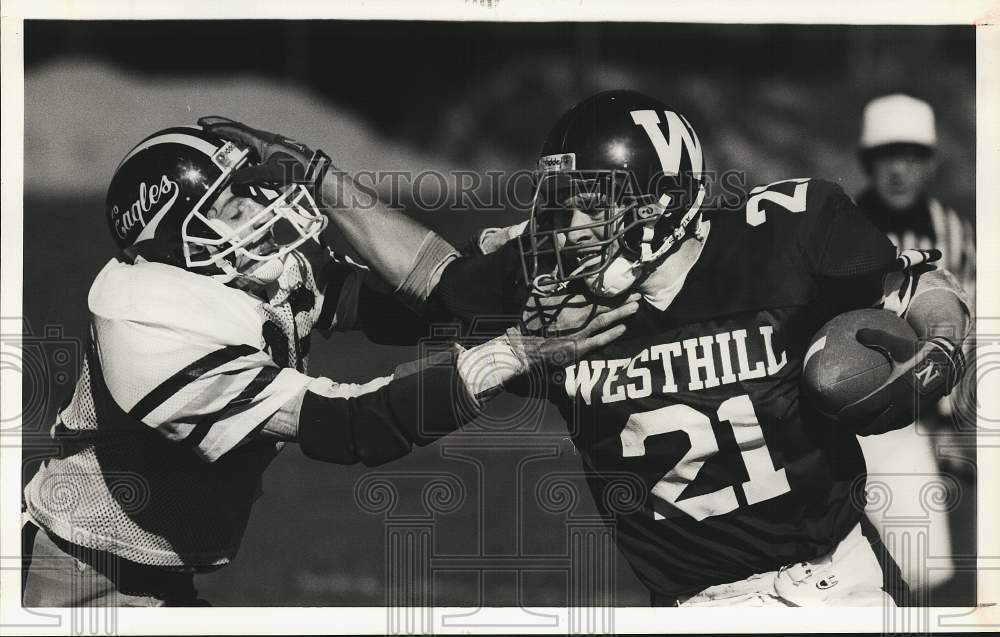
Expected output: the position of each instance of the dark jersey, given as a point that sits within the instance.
(690, 426)
(696, 408)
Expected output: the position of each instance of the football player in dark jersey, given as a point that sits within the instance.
(748, 498)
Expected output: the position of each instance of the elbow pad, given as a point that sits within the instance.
(425, 400)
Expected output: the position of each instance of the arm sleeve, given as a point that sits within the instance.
(341, 281)
(354, 298)
(421, 402)
(483, 289)
(476, 295)
(385, 319)
(208, 398)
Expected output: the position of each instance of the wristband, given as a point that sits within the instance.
(319, 163)
(951, 356)
(433, 254)
(487, 367)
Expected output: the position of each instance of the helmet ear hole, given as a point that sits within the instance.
(201, 227)
(197, 249)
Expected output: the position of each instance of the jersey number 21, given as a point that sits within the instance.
(765, 481)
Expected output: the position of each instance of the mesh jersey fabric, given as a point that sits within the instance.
(156, 465)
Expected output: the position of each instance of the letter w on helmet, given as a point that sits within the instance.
(636, 167)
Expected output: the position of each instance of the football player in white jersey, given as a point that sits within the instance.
(195, 374)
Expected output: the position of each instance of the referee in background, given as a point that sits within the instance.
(898, 153)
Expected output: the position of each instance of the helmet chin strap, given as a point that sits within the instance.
(616, 278)
(266, 272)
(622, 274)
(679, 232)
(263, 273)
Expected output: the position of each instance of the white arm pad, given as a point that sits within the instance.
(485, 368)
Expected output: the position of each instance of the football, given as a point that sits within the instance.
(837, 370)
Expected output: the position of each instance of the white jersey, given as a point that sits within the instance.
(157, 463)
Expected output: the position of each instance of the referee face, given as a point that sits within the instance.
(900, 174)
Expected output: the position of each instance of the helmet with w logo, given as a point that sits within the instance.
(159, 201)
(635, 167)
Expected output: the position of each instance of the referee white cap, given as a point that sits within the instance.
(897, 119)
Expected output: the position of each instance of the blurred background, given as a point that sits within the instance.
(773, 101)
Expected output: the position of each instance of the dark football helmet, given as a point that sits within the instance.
(635, 166)
(159, 198)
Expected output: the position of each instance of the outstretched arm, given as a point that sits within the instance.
(424, 400)
(931, 301)
(405, 254)
(480, 295)
(411, 259)
(378, 421)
